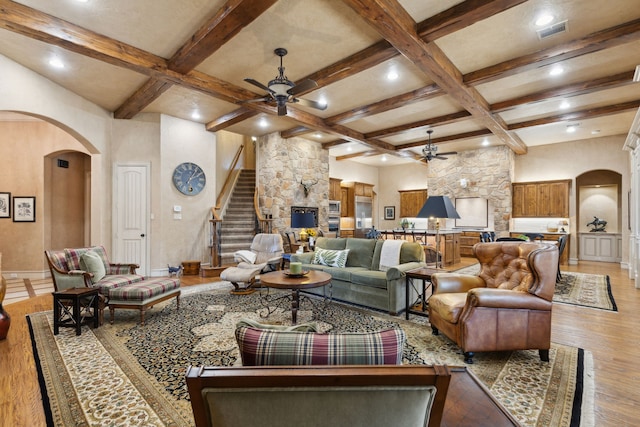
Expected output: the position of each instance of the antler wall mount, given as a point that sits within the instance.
(307, 186)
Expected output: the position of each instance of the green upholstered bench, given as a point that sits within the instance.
(143, 295)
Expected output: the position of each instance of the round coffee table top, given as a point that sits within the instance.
(277, 279)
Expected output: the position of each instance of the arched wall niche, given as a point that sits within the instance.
(599, 194)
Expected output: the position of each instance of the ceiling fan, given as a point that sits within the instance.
(283, 90)
(430, 151)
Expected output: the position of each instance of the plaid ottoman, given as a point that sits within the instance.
(143, 295)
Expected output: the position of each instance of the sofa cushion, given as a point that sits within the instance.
(92, 262)
(331, 242)
(411, 252)
(267, 347)
(375, 279)
(113, 281)
(448, 305)
(331, 257)
(361, 254)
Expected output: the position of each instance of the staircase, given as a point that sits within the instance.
(239, 223)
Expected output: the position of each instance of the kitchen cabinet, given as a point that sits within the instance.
(467, 240)
(411, 201)
(334, 189)
(542, 199)
(451, 253)
(348, 193)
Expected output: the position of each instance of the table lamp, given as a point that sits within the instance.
(302, 220)
(438, 207)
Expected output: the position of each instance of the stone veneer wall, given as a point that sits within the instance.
(489, 172)
(280, 165)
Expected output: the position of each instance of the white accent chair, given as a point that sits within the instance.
(265, 255)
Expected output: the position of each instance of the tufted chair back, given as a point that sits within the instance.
(504, 265)
(517, 266)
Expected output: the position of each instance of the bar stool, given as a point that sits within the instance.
(74, 307)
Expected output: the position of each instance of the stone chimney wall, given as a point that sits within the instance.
(488, 173)
(281, 165)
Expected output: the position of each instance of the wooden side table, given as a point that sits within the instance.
(71, 306)
(424, 274)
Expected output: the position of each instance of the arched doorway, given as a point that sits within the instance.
(32, 148)
(599, 196)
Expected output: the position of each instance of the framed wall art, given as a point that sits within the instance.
(24, 209)
(5, 205)
(389, 212)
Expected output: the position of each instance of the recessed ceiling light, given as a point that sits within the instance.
(263, 123)
(572, 128)
(392, 75)
(317, 135)
(56, 62)
(564, 105)
(384, 158)
(195, 115)
(349, 149)
(322, 101)
(254, 139)
(595, 131)
(556, 70)
(82, 1)
(544, 19)
(485, 142)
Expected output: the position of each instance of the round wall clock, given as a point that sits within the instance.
(189, 178)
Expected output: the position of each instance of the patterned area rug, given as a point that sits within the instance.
(127, 375)
(586, 290)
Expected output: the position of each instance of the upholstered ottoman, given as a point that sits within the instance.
(143, 295)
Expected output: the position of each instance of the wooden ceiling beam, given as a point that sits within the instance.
(229, 119)
(220, 28)
(575, 89)
(605, 39)
(396, 26)
(442, 120)
(461, 16)
(368, 153)
(578, 115)
(443, 139)
(228, 21)
(296, 131)
(40, 26)
(337, 142)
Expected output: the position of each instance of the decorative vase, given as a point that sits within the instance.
(5, 319)
(5, 322)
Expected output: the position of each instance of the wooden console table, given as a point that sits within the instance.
(469, 403)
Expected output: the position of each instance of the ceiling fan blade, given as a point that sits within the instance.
(257, 83)
(309, 103)
(303, 86)
(263, 99)
(447, 153)
(282, 109)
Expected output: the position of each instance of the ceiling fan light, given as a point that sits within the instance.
(544, 19)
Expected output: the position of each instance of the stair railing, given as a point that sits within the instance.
(216, 220)
(264, 224)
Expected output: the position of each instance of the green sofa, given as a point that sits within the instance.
(361, 281)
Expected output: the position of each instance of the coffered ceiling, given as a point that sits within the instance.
(475, 72)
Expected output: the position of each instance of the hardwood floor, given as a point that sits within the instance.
(612, 337)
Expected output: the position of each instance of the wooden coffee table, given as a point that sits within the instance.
(279, 280)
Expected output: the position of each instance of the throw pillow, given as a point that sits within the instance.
(92, 262)
(259, 347)
(330, 257)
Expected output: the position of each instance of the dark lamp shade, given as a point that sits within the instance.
(438, 207)
(302, 220)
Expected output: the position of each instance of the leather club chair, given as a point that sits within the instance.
(506, 307)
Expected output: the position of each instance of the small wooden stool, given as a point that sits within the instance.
(71, 306)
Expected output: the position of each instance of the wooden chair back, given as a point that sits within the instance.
(352, 396)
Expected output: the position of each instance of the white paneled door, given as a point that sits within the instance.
(130, 216)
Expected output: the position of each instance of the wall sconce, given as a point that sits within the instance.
(464, 182)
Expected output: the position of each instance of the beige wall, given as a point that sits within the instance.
(572, 159)
(24, 146)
